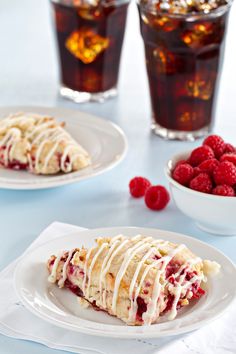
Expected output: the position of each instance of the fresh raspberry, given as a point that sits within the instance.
(229, 148)
(201, 183)
(201, 154)
(231, 157)
(225, 173)
(196, 171)
(157, 197)
(224, 190)
(216, 143)
(180, 162)
(208, 166)
(138, 186)
(183, 173)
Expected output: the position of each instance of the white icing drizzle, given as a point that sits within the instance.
(165, 260)
(9, 141)
(41, 131)
(38, 154)
(152, 305)
(182, 284)
(44, 128)
(41, 135)
(104, 264)
(134, 279)
(130, 253)
(105, 271)
(92, 264)
(53, 275)
(61, 282)
(107, 267)
(86, 269)
(173, 310)
(50, 155)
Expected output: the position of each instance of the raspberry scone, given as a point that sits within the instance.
(135, 279)
(39, 144)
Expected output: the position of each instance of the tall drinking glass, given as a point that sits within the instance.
(89, 37)
(184, 56)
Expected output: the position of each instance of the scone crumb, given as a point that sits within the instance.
(84, 303)
(101, 240)
(184, 302)
(211, 267)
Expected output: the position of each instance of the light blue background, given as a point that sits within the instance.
(28, 76)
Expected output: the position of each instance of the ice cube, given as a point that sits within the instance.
(86, 45)
(165, 60)
(195, 37)
(78, 3)
(187, 117)
(165, 23)
(88, 12)
(200, 88)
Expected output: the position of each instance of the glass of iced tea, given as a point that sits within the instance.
(184, 49)
(89, 37)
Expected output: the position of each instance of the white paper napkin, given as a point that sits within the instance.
(18, 322)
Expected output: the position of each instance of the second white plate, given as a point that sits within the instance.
(105, 142)
(60, 307)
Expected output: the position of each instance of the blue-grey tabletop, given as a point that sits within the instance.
(29, 76)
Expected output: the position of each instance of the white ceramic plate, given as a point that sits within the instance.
(105, 142)
(60, 306)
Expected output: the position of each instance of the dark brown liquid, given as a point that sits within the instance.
(100, 28)
(183, 64)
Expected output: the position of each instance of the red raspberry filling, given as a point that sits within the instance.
(16, 165)
(74, 288)
(157, 197)
(138, 186)
(142, 307)
(172, 268)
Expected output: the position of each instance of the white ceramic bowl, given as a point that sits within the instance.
(214, 214)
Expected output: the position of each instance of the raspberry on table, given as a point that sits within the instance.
(229, 148)
(201, 154)
(224, 190)
(225, 173)
(201, 183)
(208, 166)
(216, 143)
(157, 197)
(183, 173)
(138, 186)
(231, 157)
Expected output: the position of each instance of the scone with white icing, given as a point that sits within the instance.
(135, 279)
(39, 144)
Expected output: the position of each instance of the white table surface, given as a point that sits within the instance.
(28, 76)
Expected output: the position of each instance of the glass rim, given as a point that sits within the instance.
(116, 2)
(191, 16)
